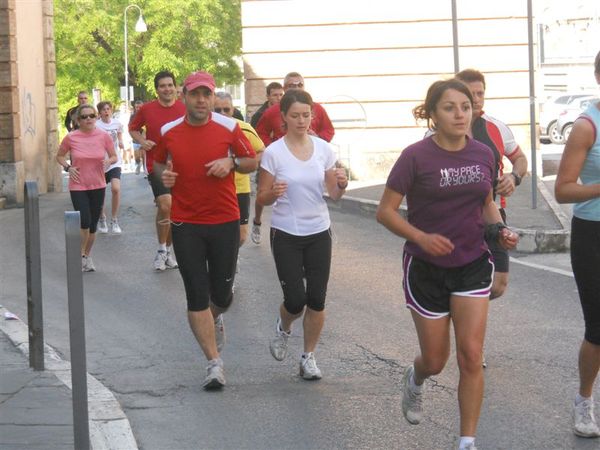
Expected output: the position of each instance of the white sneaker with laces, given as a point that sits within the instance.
(412, 402)
(220, 333)
(102, 227)
(160, 260)
(470, 446)
(255, 234)
(308, 367)
(584, 422)
(114, 227)
(171, 262)
(87, 265)
(279, 344)
(215, 378)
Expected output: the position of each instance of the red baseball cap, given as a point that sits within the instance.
(197, 79)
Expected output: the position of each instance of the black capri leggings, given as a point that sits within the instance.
(207, 256)
(585, 260)
(89, 204)
(299, 257)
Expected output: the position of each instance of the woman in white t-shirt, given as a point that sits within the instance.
(295, 171)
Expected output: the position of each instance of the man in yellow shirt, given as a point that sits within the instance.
(224, 105)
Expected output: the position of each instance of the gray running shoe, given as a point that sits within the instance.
(171, 262)
(584, 422)
(309, 369)
(279, 344)
(215, 378)
(412, 406)
(160, 260)
(220, 333)
(102, 227)
(255, 234)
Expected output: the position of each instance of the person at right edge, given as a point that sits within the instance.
(581, 160)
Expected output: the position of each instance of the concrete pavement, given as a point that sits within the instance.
(35, 407)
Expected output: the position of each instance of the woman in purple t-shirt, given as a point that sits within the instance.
(87, 148)
(447, 181)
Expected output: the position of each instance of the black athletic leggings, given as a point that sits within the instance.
(89, 204)
(299, 257)
(207, 256)
(585, 260)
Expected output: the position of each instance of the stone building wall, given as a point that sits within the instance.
(28, 106)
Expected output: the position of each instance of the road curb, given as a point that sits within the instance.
(530, 240)
(109, 427)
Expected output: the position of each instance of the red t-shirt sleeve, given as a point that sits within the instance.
(241, 145)
(138, 121)
(264, 128)
(326, 130)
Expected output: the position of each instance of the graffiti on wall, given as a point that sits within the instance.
(28, 114)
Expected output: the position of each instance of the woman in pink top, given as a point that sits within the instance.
(87, 148)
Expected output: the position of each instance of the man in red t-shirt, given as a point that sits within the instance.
(270, 125)
(197, 157)
(152, 116)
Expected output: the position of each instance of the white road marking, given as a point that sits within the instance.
(541, 267)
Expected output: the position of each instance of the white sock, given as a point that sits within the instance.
(464, 441)
(579, 399)
(414, 386)
(170, 249)
(162, 247)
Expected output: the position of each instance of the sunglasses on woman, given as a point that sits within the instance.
(87, 116)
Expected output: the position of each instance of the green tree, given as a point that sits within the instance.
(183, 36)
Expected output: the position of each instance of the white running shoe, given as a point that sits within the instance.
(279, 344)
(412, 402)
(470, 446)
(114, 227)
(255, 234)
(160, 260)
(220, 333)
(102, 227)
(308, 367)
(584, 422)
(171, 262)
(215, 378)
(87, 265)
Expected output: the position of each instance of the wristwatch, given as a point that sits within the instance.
(236, 162)
(517, 178)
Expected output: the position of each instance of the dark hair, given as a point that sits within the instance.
(470, 75)
(163, 74)
(597, 64)
(273, 85)
(434, 94)
(293, 96)
(101, 105)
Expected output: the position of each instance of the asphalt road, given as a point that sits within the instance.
(139, 345)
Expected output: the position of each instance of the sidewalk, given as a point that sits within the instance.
(545, 229)
(36, 407)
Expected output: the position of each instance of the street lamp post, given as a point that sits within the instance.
(140, 27)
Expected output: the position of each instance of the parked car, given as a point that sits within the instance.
(565, 120)
(549, 112)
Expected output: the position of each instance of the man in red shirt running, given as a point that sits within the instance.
(197, 157)
(270, 125)
(152, 116)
